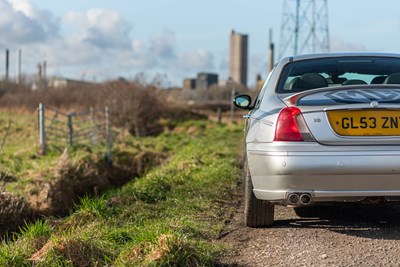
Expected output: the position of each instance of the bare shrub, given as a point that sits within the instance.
(133, 106)
(214, 94)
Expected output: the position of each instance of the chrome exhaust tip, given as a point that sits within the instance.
(305, 199)
(298, 198)
(293, 199)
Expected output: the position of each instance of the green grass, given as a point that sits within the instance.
(20, 162)
(168, 217)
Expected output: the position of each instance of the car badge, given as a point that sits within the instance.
(374, 104)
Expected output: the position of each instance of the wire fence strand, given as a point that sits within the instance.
(58, 129)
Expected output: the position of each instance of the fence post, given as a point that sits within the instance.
(219, 115)
(42, 130)
(71, 129)
(93, 132)
(232, 106)
(108, 134)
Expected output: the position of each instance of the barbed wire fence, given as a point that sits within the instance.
(58, 129)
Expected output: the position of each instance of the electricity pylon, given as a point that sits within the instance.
(304, 27)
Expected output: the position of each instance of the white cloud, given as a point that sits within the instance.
(97, 43)
(199, 60)
(21, 22)
(163, 45)
(138, 46)
(340, 45)
(101, 28)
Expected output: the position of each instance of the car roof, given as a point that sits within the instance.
(344, 54)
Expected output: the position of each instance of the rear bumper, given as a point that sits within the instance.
(326, 173)
(326, 196)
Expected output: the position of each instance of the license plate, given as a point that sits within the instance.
(377, 122)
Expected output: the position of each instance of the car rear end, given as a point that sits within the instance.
(336, 143)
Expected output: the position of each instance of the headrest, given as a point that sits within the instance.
(354, 81)
(314, 80)
(378, 79)
(393, 78)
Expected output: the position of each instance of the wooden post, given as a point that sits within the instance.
(42, 130)
(108, 135)
(232, 106)
(71, 129)
(219, 115)
(7, 64)
(93, 133)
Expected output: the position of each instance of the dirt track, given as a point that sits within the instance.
(340, 236)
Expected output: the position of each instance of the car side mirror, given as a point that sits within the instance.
(242, 101)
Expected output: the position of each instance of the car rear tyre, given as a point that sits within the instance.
(258, 213)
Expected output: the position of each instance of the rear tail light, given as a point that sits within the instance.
(291, 126)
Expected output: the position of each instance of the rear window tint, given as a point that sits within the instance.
(304, 75)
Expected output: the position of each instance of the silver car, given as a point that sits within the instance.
(324, 129)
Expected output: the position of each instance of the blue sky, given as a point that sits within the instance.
(103, 39)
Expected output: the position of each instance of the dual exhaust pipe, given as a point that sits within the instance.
(299, 199)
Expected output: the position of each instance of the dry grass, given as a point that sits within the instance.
(140, 109)
(133, 106)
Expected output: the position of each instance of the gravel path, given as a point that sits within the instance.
(338, 236)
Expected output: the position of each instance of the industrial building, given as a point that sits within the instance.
(189, 83)
(238, 66)
(203, 81)
(238, 58)
(206, 80)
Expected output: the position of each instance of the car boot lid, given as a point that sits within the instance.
(355, 94)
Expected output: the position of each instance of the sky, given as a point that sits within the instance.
(98, 40)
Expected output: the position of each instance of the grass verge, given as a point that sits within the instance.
(168, 217)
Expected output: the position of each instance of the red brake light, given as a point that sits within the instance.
(287, 128)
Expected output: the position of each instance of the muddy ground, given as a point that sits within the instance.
(337, 236)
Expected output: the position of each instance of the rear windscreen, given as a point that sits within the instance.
(303, 75)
